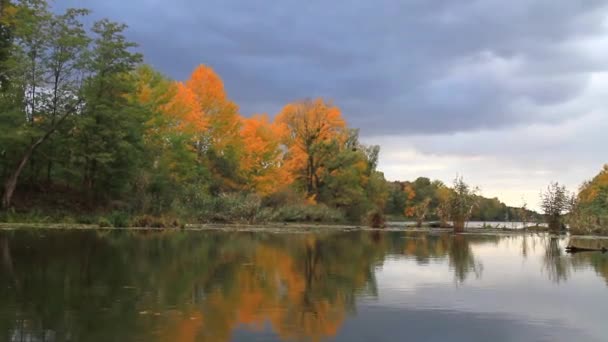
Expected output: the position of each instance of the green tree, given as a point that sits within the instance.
(46, 51)
(108, 134)
(7, 11)
(461, 204)
(554, 203)
(348, 178)
(64, 71)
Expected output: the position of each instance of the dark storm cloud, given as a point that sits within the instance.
(393, 66)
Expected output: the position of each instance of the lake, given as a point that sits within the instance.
(362, 285)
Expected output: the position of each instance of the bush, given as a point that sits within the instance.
(144, 221)
(375, 218)
(86, 219)
(308, 213)
(119, 219)
(104, 222)
(233, 207)
(282, 198)
(582, 223)
(148, 221)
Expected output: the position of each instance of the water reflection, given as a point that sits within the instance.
(219, 286)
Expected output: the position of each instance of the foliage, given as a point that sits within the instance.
(375, 219)
(307, 213)
(589, 214)
(461, 203)
(81, 112)
(407, 199)
(555, 201)
(204, 285)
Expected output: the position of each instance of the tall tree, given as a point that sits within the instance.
(109, 132)
(310, 127)
(7, 14)
(64, 71)
(219, 144)
(43, 67)
(262, 159)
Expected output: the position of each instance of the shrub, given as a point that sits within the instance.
(119, 219)
(375, 218)
(143, 221)
(103, 222)
(149, 221)
(234, 207)
(282, 198)
(554, 202)
(86, 219)
(308, 213)
(462, 201)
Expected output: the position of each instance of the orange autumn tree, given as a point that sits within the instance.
(590, 208)
(409, 209)
(590, 190)
(218, 141)
(309, 126)
(263, 155)
(171, 120)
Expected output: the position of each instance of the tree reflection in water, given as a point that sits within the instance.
(202, 286)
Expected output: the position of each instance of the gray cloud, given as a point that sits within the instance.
(394, 67)
(511, 94)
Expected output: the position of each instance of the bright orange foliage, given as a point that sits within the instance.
(276, 281)
(263, 155)
(410, 210)
(222, 114)
(185, 111)
(307, 125)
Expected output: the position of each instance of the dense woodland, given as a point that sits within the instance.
(89, 133)
(588, 210)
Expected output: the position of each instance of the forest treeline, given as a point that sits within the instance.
(90, 133)
(86, 126)
(588, 210)
(423, 199)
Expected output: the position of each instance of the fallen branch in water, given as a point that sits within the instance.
(574, 249)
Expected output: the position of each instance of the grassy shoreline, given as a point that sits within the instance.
(279, 227)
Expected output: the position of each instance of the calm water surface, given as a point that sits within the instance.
(332, 286)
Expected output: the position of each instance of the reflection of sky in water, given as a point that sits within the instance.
(511, 297)
(342, 286)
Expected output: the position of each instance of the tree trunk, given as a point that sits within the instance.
(11, 182)
(458, 226)
(309, 176)
(555, 223)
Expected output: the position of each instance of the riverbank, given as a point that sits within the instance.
(292, 227)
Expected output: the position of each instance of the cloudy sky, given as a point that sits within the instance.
(509, 94)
